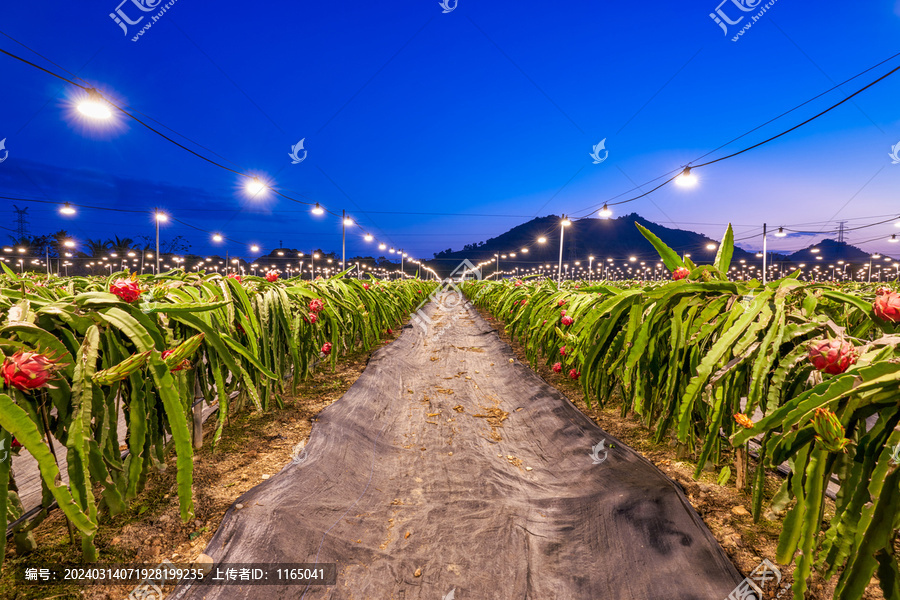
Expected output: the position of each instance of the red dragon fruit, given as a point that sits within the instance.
(126, 289)
(567, 321)
(561, 302)
(832, 356)
(557, 367)
(317, 305)
(574, 374)
(887, 306)
(29, 370)
(680, 273)
(272, 276)
(234, 276)
(562, 351)
(326, 348)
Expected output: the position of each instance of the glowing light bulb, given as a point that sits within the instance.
(162, 217)
(382, 246)
(604, 212)
(94, 106)
(780, 232)
(686, 178)
(369, 237)
(893, 239)
(217, 238)
(254, 248)
(348, 221)
(542, 240)
(318, 210)
(255, 187)
(67, 209)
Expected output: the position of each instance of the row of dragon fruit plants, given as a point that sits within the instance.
(713, 363)
(78, 351)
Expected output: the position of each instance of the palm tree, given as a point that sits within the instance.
(96, 248)
(121, 246)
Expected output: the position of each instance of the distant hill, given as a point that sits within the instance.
(618, 239)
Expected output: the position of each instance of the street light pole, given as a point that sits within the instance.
(764, 254)
(343, 239)
(562, 235)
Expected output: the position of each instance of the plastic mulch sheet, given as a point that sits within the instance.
(448, 471)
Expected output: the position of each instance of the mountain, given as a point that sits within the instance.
(619, 239)
(603, 238)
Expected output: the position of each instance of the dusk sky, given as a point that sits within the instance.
(437, 129)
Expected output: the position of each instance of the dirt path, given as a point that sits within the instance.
(450, 467)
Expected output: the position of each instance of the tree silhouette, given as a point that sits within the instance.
(96, 248)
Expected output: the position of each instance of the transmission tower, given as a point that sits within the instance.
(841, 226)
(21, 221)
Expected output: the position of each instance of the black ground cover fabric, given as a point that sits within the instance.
(490, 472)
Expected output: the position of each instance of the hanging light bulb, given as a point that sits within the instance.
(318, 210)
(161, 217)
(893, 239)
(604, 212)
(254, 248)
(392, 251)
(67, 209)
(382, 246)
(542, 240)
(780, 232)
(217, 238)
(369, 237)
(94, 106)
(348, 221)
(565, 221)
(686, 178)
(255, 187)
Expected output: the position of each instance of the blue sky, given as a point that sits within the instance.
(491, 109)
